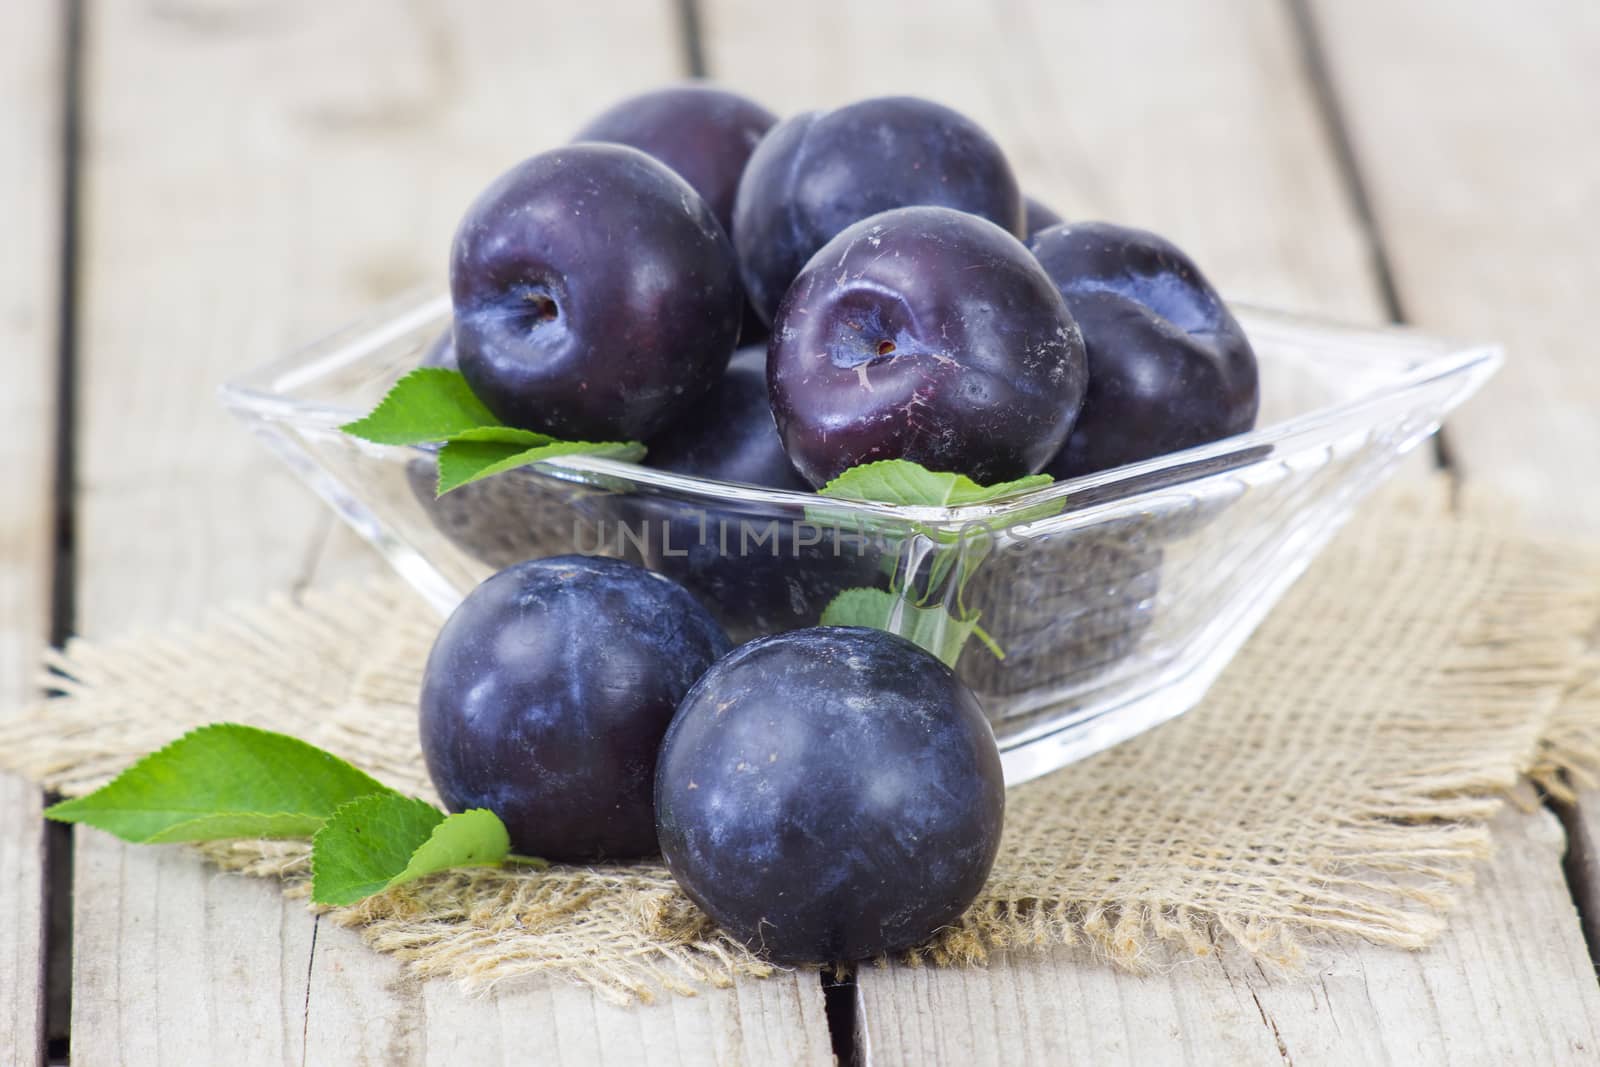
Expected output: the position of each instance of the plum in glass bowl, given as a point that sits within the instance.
(1118, 596)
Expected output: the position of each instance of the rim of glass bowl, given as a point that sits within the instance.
(262, 393)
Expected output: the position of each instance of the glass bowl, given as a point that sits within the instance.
(1116, 598)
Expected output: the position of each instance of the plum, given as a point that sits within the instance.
(830, 794)
(596, 296)
(546, 696)
(752, 588)
(704, 133)
(926, 334)
(730, 436)
(1169, 367)
(817, 172)
(756, 570)
(1037, 217)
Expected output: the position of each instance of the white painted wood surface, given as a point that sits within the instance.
(257, 174)
(1475, 122)
(1489, 196)
(30, 190)
(1467, 1000)
(22, 914)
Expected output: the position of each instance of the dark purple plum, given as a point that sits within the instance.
(546, 696)
(730, 435)
(830, 794)
(1169, 367)
(925, 334)
(1037, 217)
(704, 133)
(596, 296)
(756, 572)
(819, 171)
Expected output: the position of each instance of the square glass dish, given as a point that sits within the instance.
(1116, 598)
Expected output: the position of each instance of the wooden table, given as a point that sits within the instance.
(190, 187)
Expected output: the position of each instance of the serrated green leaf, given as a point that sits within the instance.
(900, 481)
(931, 627)
(509, 435)
(429, 404)
(381, 841)
(222, 781)
(463, 461)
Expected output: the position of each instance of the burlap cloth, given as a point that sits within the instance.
(1336, 782)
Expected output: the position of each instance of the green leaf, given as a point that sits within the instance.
(429, 404)
(464, 460)
(385, 840)
(932, 627)
(900, 481)
(222, 781)
(508, 435)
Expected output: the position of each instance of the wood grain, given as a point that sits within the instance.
(259, 172)
(31, 101)
(384, 1017)
(1505, 985)
(208, 967)
(22, 931)
(1474, 124)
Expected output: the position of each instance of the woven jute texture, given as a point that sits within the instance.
(1337, 781)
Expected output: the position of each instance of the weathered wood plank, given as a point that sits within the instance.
(1199, 123)
(31, 176)
(22, 933)
(1474, 124)
(1488, 196)
(177, 962)
(1506, 984)
(397, 1020)
(257, 174)
(207, 967)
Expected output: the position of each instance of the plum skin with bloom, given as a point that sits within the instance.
(546, 696)
(925, 334)
(818, 172)
(596, 296)
(730, 436)
(855, 823)
(1038, 216)
(1169, 366)
(704, 133)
